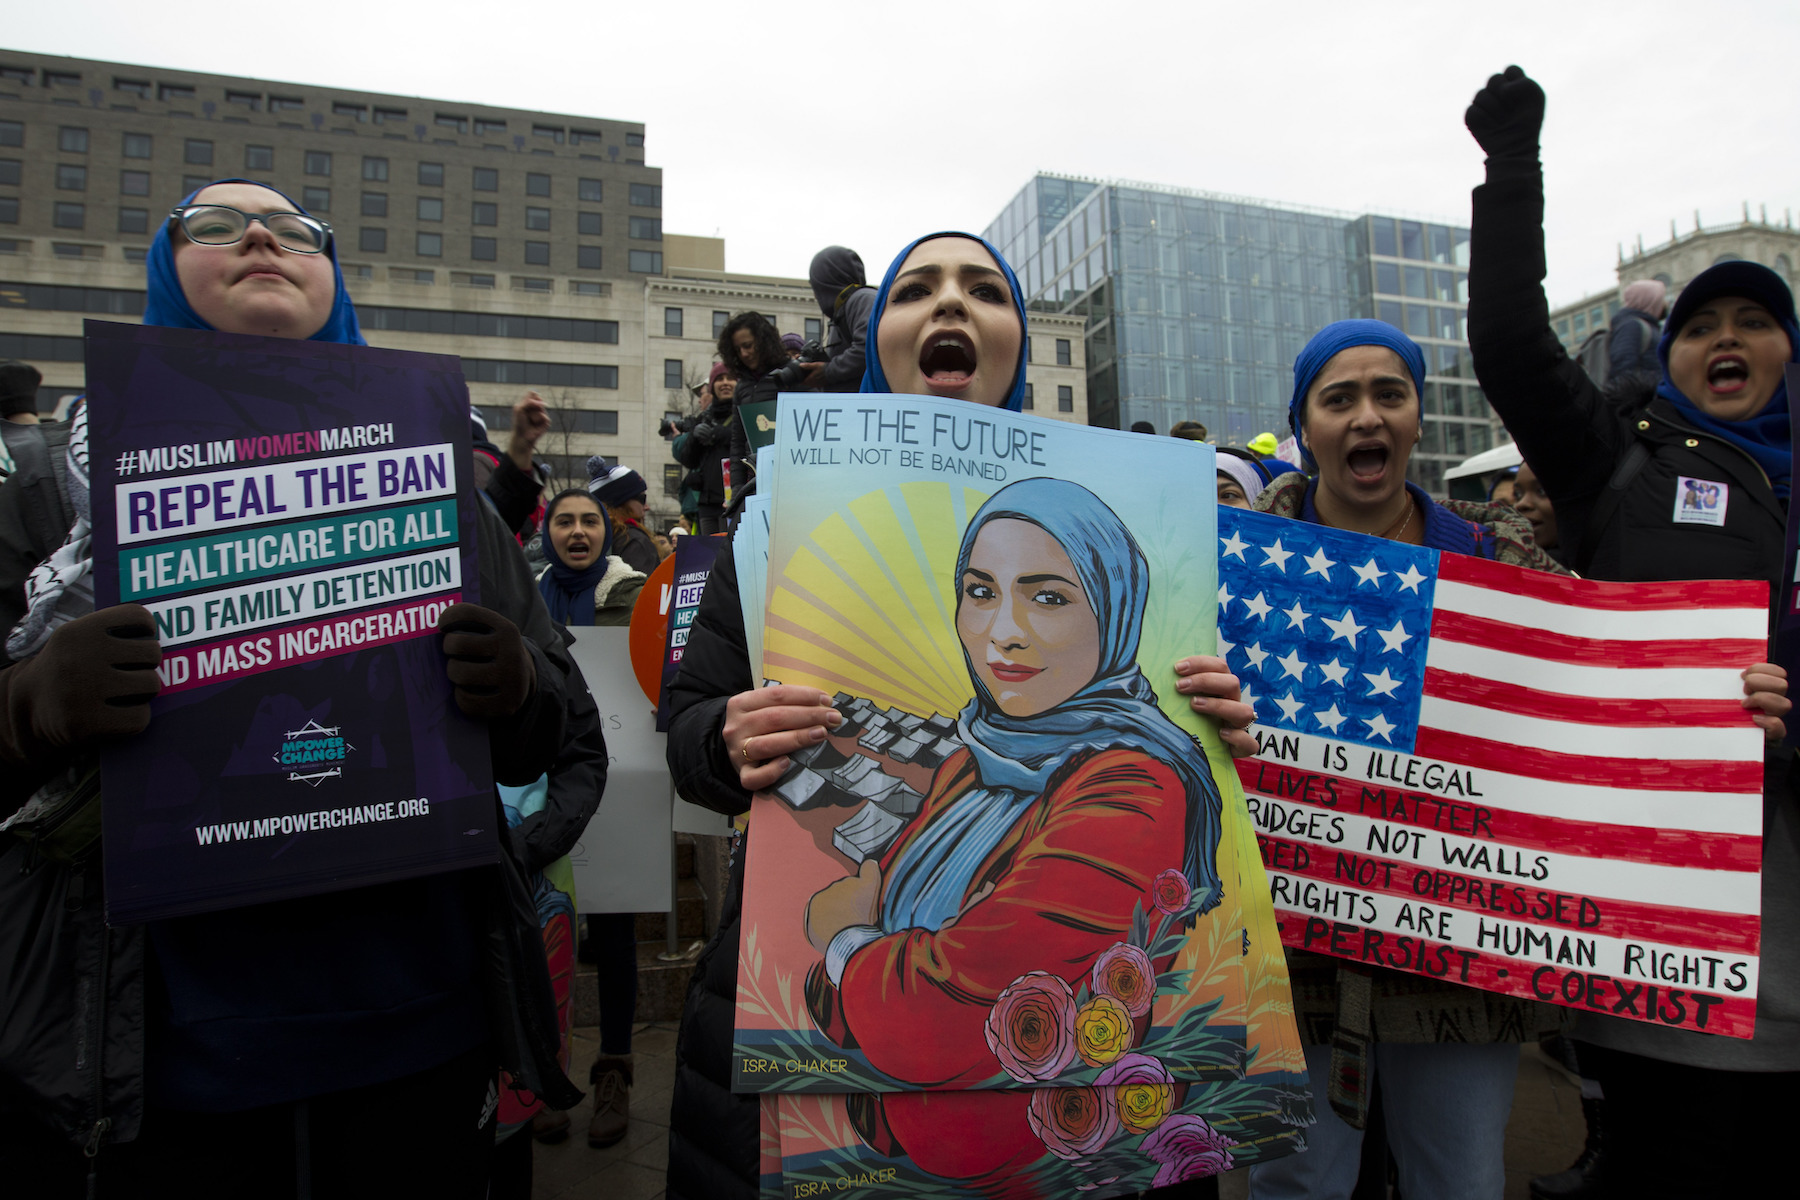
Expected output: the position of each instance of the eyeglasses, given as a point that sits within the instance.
(221, 225)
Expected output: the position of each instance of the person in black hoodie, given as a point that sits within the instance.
(1620, 480)
(846, 299)
(706, 449)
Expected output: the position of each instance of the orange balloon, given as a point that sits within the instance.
(650, 628)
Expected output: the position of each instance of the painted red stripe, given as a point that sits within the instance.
(1593, 593)
(1664, 775)
(1633, 713)
(1732, 1016)
(1516, 901)
(1606, 652)
(1503, 827)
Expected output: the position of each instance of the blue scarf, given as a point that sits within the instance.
(1016, 756)
(1333, 340)
(1766, 437)
(875, 380)
(568, 593)
(166, 304)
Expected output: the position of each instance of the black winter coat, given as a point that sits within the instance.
(713, 1134)
(35, 513)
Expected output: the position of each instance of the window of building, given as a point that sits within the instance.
(460, 124)
(483, 212)
(375, 169)
(537, 184)
(135, 145)
(461, 279)
(482, 249)
(634, 139)
(1029, 357)
(471, 324)
(70, 216)
(197, 152)
(720, 320)
(537, 218)
(672, 373)
(372, 241)
(588, 287)
(431, 174)
(1065, 398)
(12, 133)
(132, 87)
(134, 220)
(588, 190)
(354, 112)
(487, 179)
(318, 162)
(374, 204)
(537, 254)
(646, 195)
(647, 228)
(587, 258)
(1030, 400)
(70, 140)
(431, 208)
(390, 116)
(12, 171)
(24, 75)
(526, 284)
(71, 177)
(1064, 355)
(174, 92)
(1384, 240)
(285, 103)
(587, 224)
(815, 329)
(647, 262)
(553, 133)
(671, 321)
(585, 137)
(9, 211)
(1416, 283)
(419, 277)
(193, 183)
(316, 199)
(431, 245)
(488, 370)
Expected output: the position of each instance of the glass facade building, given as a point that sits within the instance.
(1197, 304)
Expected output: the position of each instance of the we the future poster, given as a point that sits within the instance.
(296, 516)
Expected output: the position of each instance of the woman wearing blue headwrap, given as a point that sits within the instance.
(245, 1048)
(585, 583)
(948, 322)
(1690, 481)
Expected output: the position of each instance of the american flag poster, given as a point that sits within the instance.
(1517, 781)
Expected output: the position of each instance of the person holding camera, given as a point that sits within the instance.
(705, 448)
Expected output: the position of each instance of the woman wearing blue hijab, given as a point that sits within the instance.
(245, 1048)
(948, 321)
(1690, 480)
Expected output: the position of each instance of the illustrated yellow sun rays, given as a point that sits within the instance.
(845, 616)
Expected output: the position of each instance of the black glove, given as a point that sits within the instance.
(91, 683)
(1507, 114)
(487, 662)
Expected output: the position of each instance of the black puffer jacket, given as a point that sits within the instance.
(713, 1134)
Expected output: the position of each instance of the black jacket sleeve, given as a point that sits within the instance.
(845, 370)
(1564, 427)
(514, 493)
(577, 781)
(714, 668)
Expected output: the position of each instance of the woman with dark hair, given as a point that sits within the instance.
(752, 347)
(1690, 482)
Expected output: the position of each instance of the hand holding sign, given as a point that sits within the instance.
(92, 683)
(487, 662)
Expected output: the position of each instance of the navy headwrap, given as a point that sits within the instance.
(1016, 756)
(166, 304)
(1332, 341)
(1767, 437)
(875, 380)
(568, 593)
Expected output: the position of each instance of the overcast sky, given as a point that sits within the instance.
(784, 127)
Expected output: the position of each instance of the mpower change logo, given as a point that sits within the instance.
(313, 753)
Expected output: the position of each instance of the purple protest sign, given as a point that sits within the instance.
(693, 563)
(295, 515)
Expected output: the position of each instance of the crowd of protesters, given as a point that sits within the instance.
(356, 1044)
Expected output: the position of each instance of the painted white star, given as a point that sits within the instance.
(1292, 664)
(1226, 647)
(1334, 672)
(1290, 708)
(1256, 654)
(1393, 639)
(1248, 697)
(1296, 616)
(1234, 545)
(1380, 726)
(1331, 718)
(1369, 572)
(1318, 564)
(1382, 684)
(1225, 597)
(1277, 557)
(1347, 628)
(1259, 608)
(1410, 579)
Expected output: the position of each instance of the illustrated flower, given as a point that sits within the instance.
(1031, 1028)
(1170, 892)
(1143, 1091)
(1124, 973)
(1103, 1031)
(1187, 1148)
(1073, 1122)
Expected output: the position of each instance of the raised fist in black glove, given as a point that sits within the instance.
(487, 661)
(1507, 114)
(92, 683)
